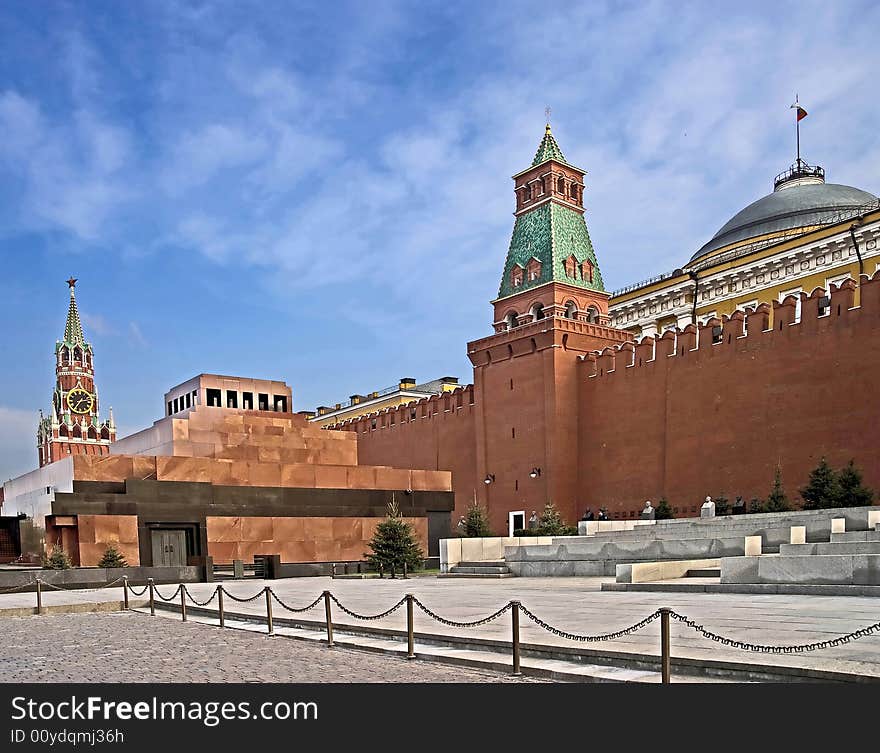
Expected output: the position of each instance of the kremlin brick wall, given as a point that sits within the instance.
(696, 412)
(711, 418)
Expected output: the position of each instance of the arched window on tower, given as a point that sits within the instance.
(537, 312)
(560, 185)
(62, 431)
(571, 267)
(571, 310)
(65, 356)
(78, 355)
(105, 432)
(93, 433)
(511, 319)
(77, 432)
(593, 315)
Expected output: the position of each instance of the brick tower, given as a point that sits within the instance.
(74, 426)
(551, 308)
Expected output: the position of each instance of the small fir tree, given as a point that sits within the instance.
(663, 510)
(823, 488)
(112, 558)
(394, 544)
(852, 492)
(550, 522)
(722, 505)
(58, 560)
(777, 501)
(477, 521)
(757, 505)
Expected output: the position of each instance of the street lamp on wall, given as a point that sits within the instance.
(535, 473)
(489, 479)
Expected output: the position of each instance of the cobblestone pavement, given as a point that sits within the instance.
(130, 647)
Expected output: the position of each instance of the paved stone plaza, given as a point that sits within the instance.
(574, 604)
(132, 647)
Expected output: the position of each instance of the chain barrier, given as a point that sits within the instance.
(85, 590)
(296, 609)
(379, 616)
(474, 623)
(590, 638)
(232, 596)
(134, 591)
(196, 601)
(766, 649)
(18, 588)
(169, 598)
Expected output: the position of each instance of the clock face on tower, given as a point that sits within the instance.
(79, 401)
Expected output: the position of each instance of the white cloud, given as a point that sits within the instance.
(97, 324)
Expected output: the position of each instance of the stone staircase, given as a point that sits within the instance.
(480, 569)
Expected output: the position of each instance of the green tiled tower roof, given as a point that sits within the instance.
(550, 233)
(548, 149)
(73, 331)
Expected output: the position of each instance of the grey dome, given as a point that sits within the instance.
(788, 208)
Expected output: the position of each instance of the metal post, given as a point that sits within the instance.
(514, 622)
(269, 610)
(404, 570)
(329, 618)
(39, 596)
(410, 638)
(220, 606)
(125, 592)
(152, 598)
(665, 663)
(182, 603)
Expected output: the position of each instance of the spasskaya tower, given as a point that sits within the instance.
(74, 426)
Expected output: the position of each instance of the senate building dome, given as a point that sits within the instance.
(801, 200)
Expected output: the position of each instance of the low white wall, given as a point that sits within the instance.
(592, 527)
(453, 551)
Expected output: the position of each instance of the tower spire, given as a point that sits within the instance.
(73, 332)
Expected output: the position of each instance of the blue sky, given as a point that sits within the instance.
(321, 193)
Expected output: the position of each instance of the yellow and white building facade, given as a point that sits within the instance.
(804, 235)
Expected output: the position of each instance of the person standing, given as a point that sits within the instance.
(533, 520)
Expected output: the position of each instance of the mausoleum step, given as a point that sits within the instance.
(820, 548)
(490, 570)
(481, 563)
(854, 536)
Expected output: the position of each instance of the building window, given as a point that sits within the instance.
(571, 310)
(231, 399)
(511, 319)
(262, 401)
(796, 292)
(280, 404)
(560, 186)
(214, 398)
(170, 404)
(247, 400)
(593, 315)
(537, 312)
(587, 270)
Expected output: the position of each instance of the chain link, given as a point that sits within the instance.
(169, 598)
(86, 590)
(590, 638)
(296, 609)
(196, 601)
(766, 649)
(18, 588)
(134, 591)
(379, 616)
(241, 601)
(454, 623)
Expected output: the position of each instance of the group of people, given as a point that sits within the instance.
(603, 514)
